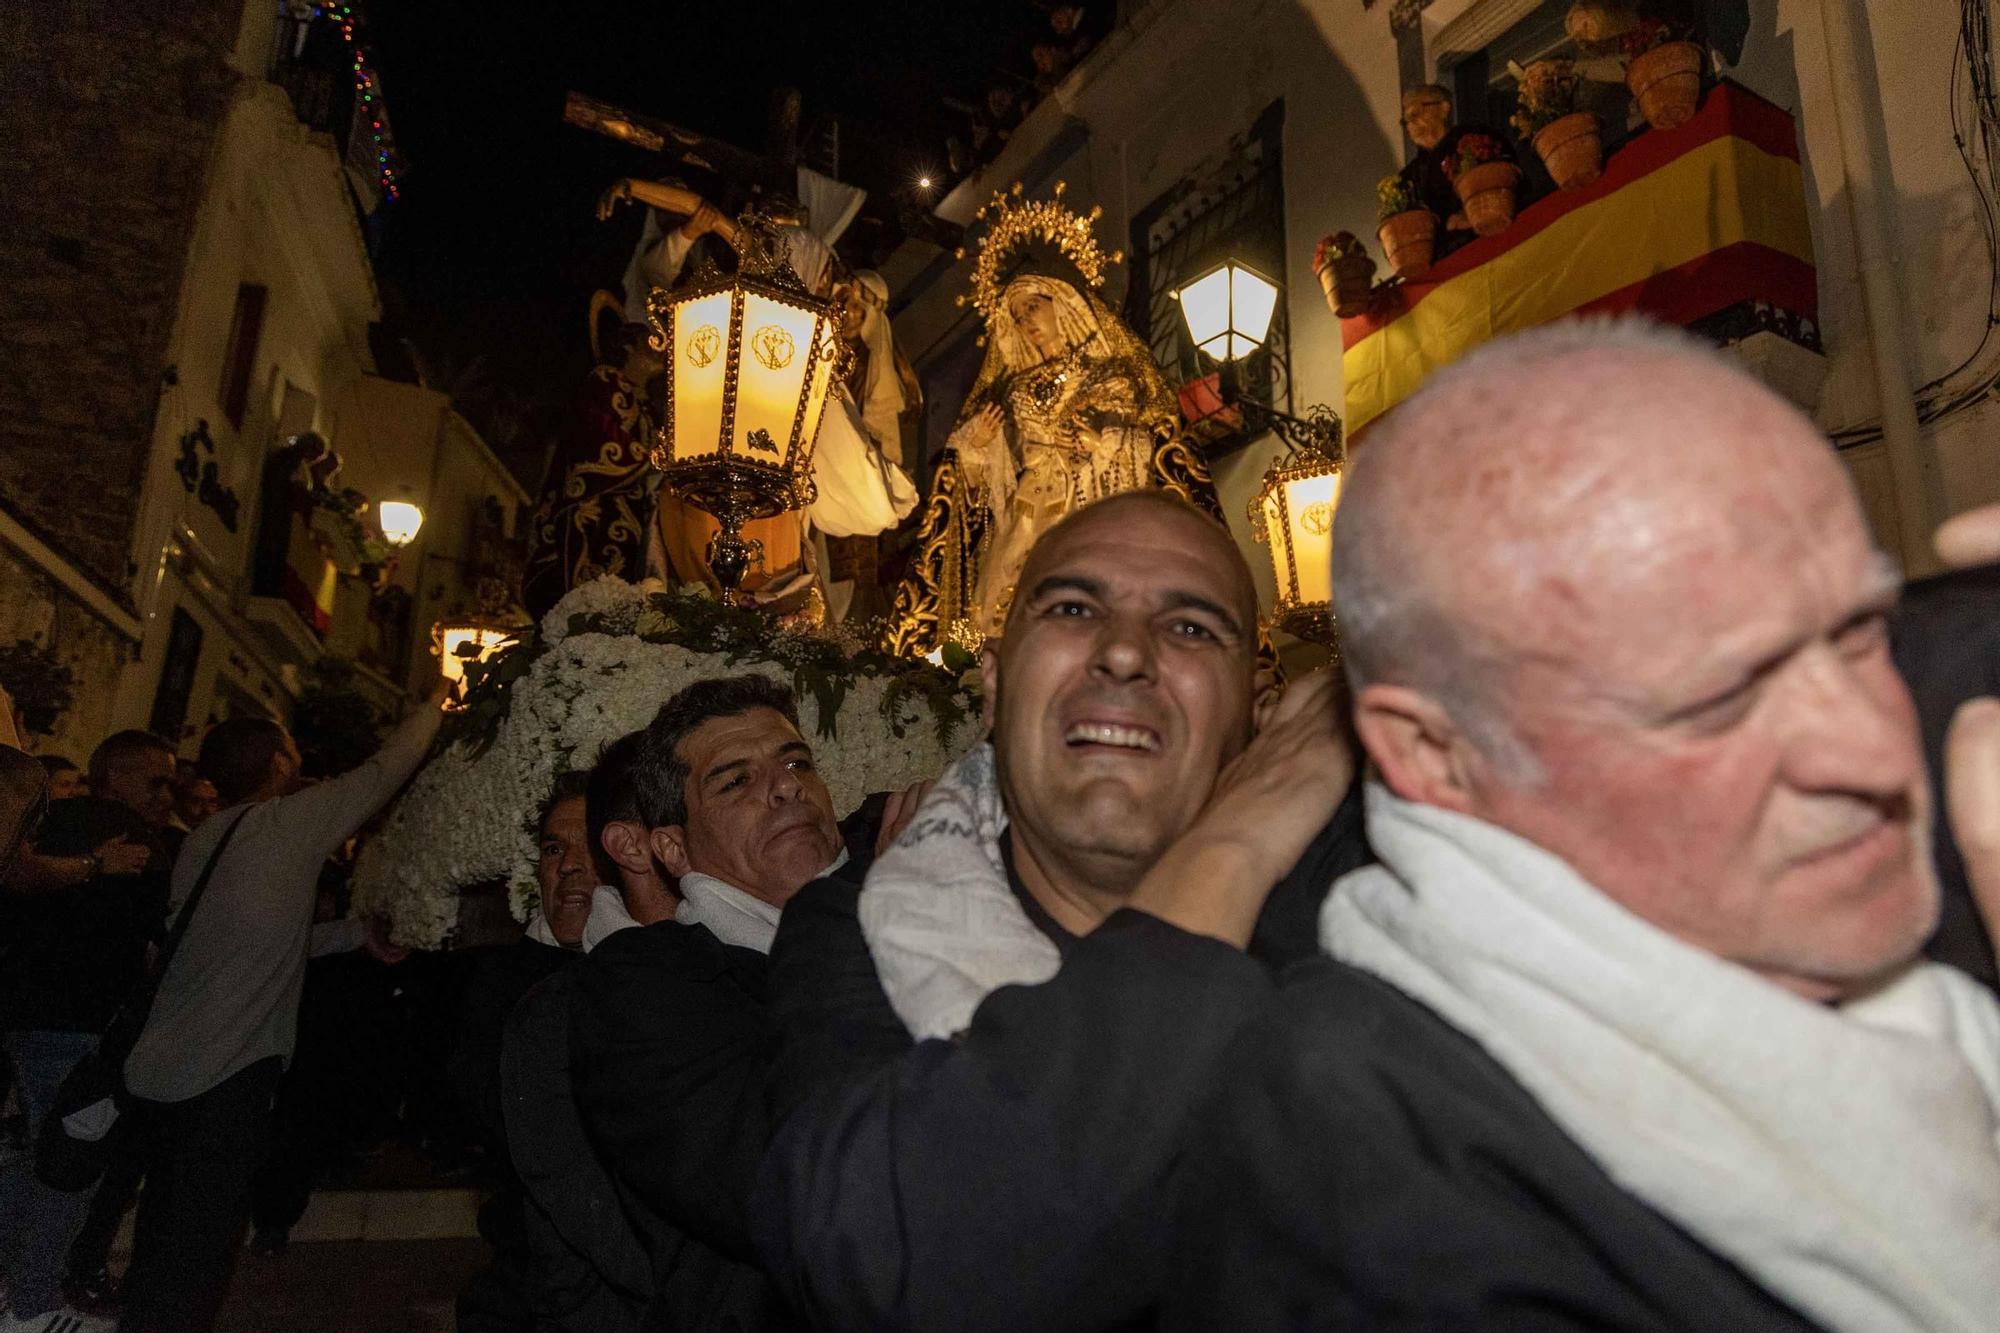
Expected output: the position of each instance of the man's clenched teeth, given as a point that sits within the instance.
(1109, 733)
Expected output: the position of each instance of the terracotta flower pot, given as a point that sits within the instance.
(1487, 191)
(1667, 83)
(1572, 150)
(1409, 240)
(1347, 282)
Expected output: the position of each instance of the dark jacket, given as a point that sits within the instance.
(495, 980)
(1364, 1165)
(70, 957)
(672, 1040)
(1946, 640)
(587, 1269)
(1009, 1179)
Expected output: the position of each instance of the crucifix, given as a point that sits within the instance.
(775, 171)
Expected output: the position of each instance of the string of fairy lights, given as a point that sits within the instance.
(368, 87)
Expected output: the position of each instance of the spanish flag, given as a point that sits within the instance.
(1684, 223)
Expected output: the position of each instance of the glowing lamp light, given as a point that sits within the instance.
(923, 182)
(750, 357)
(1292, 518)
(1228, 310)
(456, 642)
(400, 521)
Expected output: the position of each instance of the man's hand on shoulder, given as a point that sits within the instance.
(896, 816)
(120, 856)
(1972, 746)
(1268, 805)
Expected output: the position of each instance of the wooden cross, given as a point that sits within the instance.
(776, 170)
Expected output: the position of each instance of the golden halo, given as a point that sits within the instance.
(1015, 224)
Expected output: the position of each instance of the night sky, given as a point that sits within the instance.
(493, 250)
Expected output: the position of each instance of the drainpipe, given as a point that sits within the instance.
(1870, 190)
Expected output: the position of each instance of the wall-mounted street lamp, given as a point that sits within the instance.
(400, 521)
(1228, 314)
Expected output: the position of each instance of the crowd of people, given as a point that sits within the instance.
(1607, 944)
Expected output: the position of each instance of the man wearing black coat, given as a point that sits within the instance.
(1945, 634)
(496, 981)
(961, 1148)
(70, 956)
(671, 1033)
(1629, 1027)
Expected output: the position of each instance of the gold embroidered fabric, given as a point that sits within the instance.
(1094, 421)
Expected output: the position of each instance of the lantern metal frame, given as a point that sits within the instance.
(738, 487)
(480, 624)
(1229, 306)
(1311, 620)
(1318, 429)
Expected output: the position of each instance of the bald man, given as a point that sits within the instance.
(988, 1057)
(1629, 1028)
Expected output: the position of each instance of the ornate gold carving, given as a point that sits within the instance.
(703, 345)
(773, 347)
(1015, 224)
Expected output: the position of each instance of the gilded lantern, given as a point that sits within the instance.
(1292, 517)
(750, 359)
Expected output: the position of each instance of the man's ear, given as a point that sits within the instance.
(626, 844)
(1421, 753)
(989, 684)
(1264, 693)
(670, 845)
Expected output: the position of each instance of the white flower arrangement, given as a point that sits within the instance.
(470, 814)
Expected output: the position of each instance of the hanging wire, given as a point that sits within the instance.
(1972, 88)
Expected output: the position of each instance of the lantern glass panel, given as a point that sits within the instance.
(485, 639)
(700, 330)
(1205, 306)
(1253, 301)
(777, 348)
(400, 521)
(1309, 506)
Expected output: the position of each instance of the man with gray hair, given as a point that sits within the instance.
(1629, 1028)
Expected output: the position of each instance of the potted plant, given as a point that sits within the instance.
(1408, 230)
(1485, 178)
(1551, 113)
(1663, 70)
(1345, 272)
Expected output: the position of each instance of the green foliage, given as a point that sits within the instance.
(334, 724)
(1550, 90)
(42, 688)
(1395, 196)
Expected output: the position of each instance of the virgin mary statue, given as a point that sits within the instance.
(1068, 408)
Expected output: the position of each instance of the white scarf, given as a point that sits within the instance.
(941, 921)
(1844, 1157)
(607, 917)
(731, 915)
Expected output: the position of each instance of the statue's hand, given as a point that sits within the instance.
(977, 434)
(619, 193)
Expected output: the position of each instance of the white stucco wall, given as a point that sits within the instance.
(1170, 88)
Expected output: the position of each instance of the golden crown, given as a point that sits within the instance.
(1015, 224)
